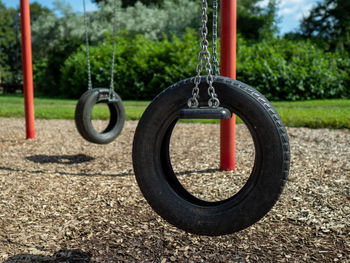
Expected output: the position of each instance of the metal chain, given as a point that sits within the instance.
(214, 58)
(111, 88)
(204, 54)
(87, 47)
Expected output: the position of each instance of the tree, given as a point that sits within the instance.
(329, 21)
(126, 3)
(54, 38)
(10, 39)
(37, 10)
(7, 42)
(152, 21)
(255, 22)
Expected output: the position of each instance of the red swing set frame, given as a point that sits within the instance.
(28, 88)
(228, 69)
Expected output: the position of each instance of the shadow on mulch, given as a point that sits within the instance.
(64, 173)
(69, 256)
(9, 140)
(198, 172)
(104, 175)
(60, 159)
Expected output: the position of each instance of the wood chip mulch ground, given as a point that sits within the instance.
(63, 199)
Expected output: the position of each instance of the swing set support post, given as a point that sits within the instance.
(27, 69)
(228, 69)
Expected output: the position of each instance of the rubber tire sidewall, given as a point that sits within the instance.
(269, 173)
(83, 113)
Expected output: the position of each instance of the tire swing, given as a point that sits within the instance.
(93, 96)
(152, 162)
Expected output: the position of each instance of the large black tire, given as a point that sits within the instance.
(83, 112)
(171, 200)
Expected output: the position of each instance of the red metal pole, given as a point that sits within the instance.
(228, 69)
(27, 69)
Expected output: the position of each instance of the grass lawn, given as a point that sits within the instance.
(314, 114)
(46, 108)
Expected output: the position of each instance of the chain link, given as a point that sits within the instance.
(204, 54)
(214, 58)
(87, 47)
(111, 88)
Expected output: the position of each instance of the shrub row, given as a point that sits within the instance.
(143, 67)
(280, 69)
(288, 70)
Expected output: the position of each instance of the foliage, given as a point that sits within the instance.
(57, 33)
(143, 67)
(280, 69)
(152, 21)
(37, 11)
(329, 21)
(50, 30)
(51, 34)
(7, 42)
(11, 38)
(127, 3)
(173, 17)
(55, 38)
(47, 74)
(286, 70)
(256, 22)
(155, 50)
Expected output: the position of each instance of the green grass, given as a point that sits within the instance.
(314, 114)
(46, 108)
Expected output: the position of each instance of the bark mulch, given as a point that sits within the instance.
(63, 199)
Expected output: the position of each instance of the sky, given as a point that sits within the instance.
(290, 11)
(76, 4)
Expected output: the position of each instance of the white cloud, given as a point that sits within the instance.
(283, 3)
(287, 10)
(293, 2)
(263, 3)
(292, 11)
(90, 7)
(304, 12)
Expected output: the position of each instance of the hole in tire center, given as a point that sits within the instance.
(195, 158)
(100, 116)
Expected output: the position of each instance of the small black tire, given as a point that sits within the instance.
(83, 113)
(166, 195)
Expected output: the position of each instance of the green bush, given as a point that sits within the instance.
(286, 70)
(280, 69)
(46, 70)
(143, 67)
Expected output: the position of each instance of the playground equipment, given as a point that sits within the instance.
(210, 97)
(228, 69)
(93, 96)
(27, 69)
